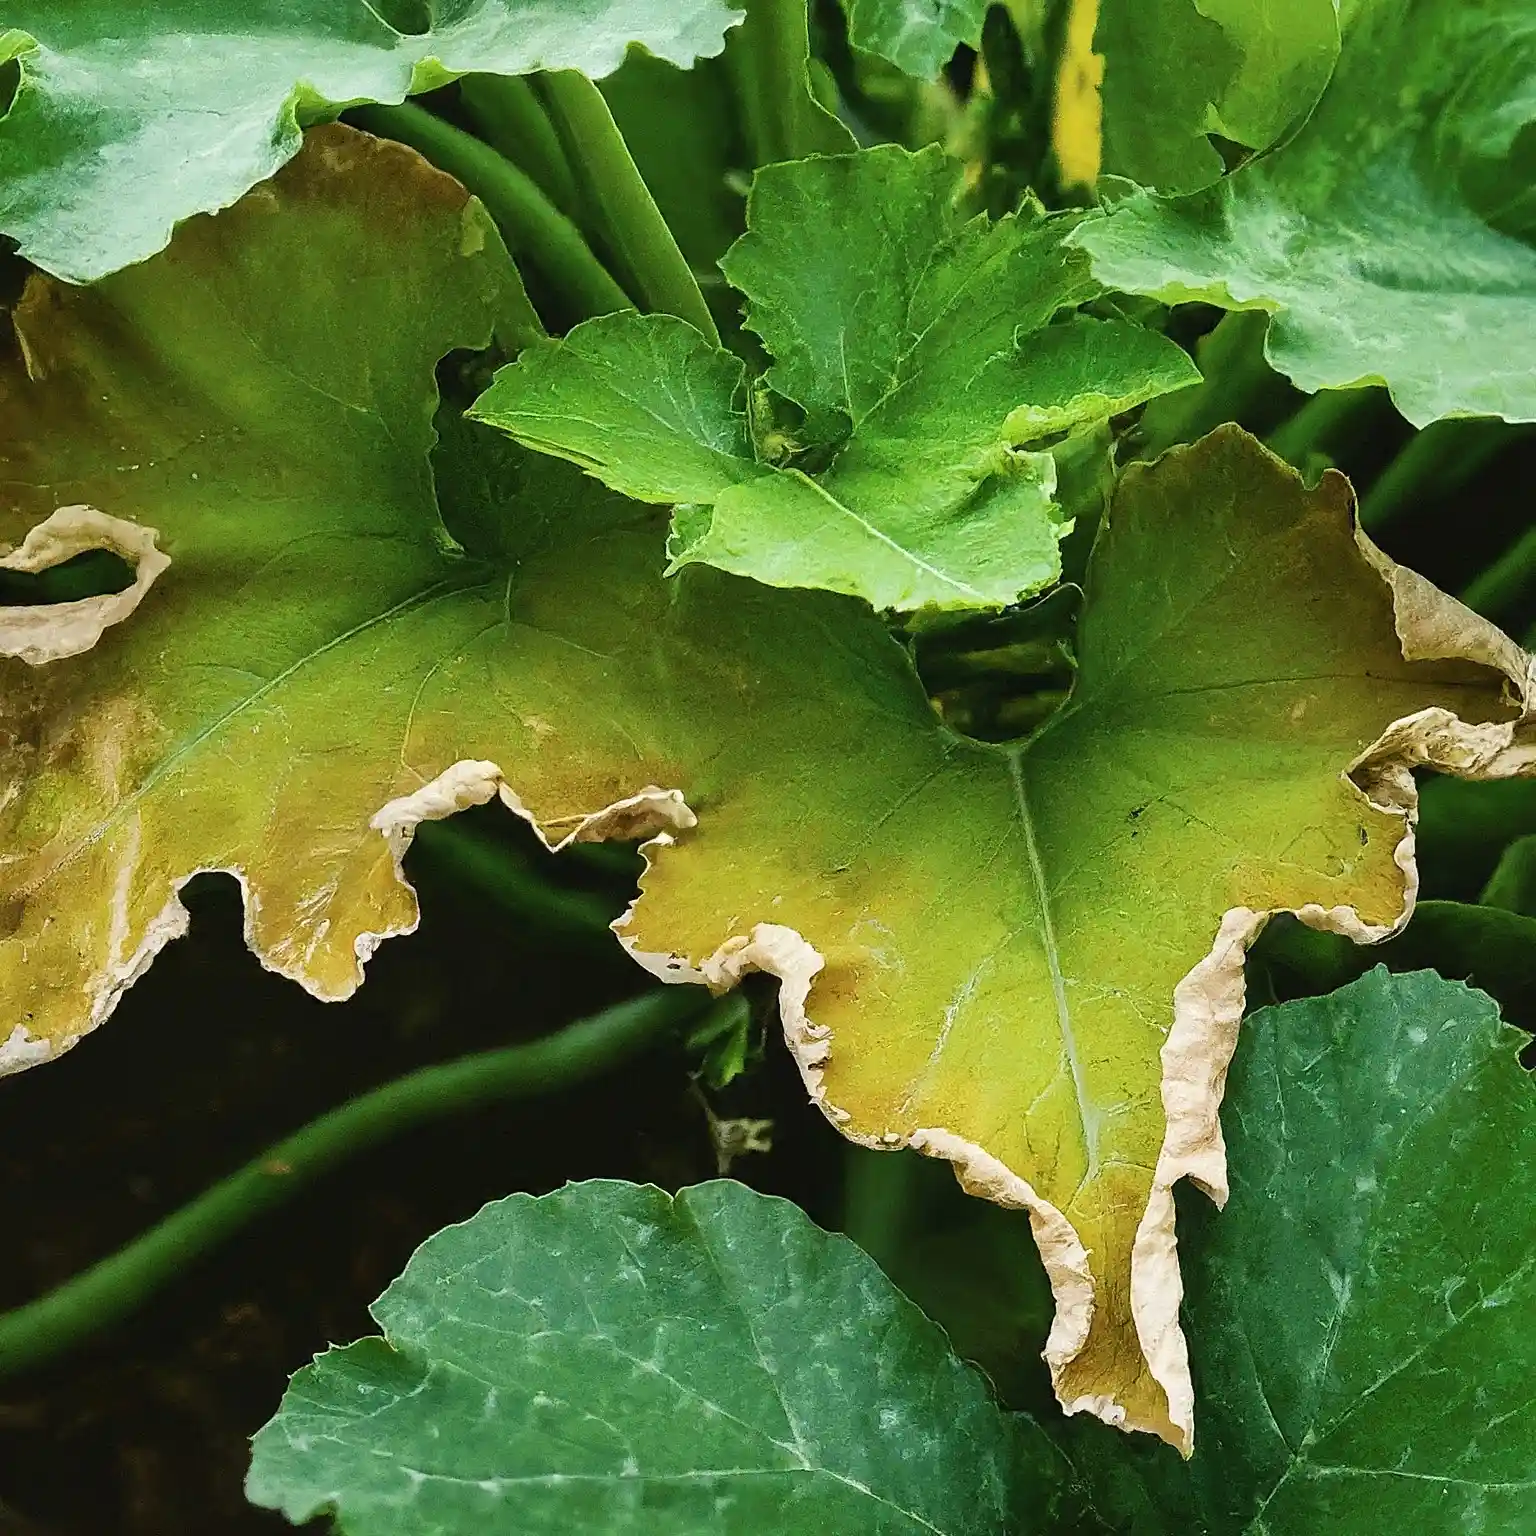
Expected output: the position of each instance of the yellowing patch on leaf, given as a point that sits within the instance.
(1026, 959)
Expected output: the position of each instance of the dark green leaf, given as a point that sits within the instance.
(608, 1359)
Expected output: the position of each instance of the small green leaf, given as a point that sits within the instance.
(920, 345)
(1512, 885)
(129, 119)
(1391, 239)
(611, 1360)
(1363, 1305)
(917, 36)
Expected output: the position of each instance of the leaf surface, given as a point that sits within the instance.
(983, 949)
(1175, 71)
(129, 119)
(610, 1358)
(917, 36)
(1392, 238)
(1362, 1306)
(920, 345)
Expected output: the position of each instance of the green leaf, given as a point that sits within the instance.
(1512, 885)
(127, 121)
(917, 36)
(610, 1359)
(1161, 76)
(983, 949)
(1363, 1305)
(1391, 239)
(1489, 947)
(923, 341)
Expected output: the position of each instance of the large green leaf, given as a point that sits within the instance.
(925, 340)
(1176, 71)
(1362, 1308)
(1391, 239)
(131, 118)
(610, 1360)
(984, 949)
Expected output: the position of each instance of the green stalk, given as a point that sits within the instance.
(1320, 423)
(498, 873)
(1237, 379)
(880, 1191)
(625, 210)
(1504, 589)
(1434, 462)
(110, 1290)
(507, 114)
(531, 223)
(769, 61)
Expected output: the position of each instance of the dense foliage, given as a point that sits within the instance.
(898, 464)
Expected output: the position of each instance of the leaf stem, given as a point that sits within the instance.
(1237, 379)
(1434, 462)
(531, 223)
(1503, 591)
(1320, 422)
(497, 872)
(768, 59)
(505, 111)
(108, 1291)
(626, 211)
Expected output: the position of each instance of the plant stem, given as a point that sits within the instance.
(498, 873)
(1237, 378)
(1434, 462)
(625, 209)
(531, 223)
(508, 115)
(110, 1290)
(1503, 591)
(879, 1192)
(768, 58)
(1320, 422)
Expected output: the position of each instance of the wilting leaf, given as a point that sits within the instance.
(1362, 1309)
(984, 948)
(130, 118)
(1176, 71)
(611, 1359)
(1391, 239)
(925, 342)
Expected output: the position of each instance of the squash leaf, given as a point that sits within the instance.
(919, 348)
(129, 119)
(1023, 958)
(1391, 239)
(1170, 73)
(1362, 1308)
(611, 1358)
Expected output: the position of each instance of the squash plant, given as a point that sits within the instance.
(825, 448)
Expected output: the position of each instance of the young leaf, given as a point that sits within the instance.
(1174, 71)
(1362, 1308)
(130, 119)
(610, 1358)
(917, 36)
(926, 341)
(1391, 239)
(983, 949)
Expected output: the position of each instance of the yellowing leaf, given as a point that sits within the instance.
(1026, 959)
